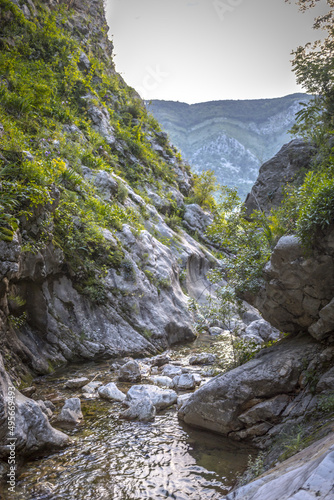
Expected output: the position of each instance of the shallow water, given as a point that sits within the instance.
(115, 459)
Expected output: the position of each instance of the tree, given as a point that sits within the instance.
(313, 65)
(205, 185)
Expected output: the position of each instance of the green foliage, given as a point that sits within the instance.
(248, 242)
(314, 69)
(326, 403)
(205, 185)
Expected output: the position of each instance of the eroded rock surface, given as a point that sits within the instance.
(307, 475)
(299, 288)
(253, 399)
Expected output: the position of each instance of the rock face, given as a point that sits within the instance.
(253, 400)
(307, 475)
(283, 168)
(299, 289)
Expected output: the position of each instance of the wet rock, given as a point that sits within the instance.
(92, 387)
(42, 489)
(76, 383)
(160, 360)
(184, 382)
(162, 381)
(28, 391)
(71, 412)
(142, 410)
(171, 371)
(130, 372)
(161, 398)
(111, 392)
(203, 358)
(33, 432)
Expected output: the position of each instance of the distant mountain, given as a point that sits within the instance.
(233, 138)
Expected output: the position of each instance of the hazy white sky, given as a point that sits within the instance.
(203, 50)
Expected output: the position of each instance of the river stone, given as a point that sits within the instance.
(160, 360)
(261, 328)
(130, 372)
(76, 383)
(171, 371)
(71, 412)
(161, 398)
(162, 381)
(215, 330)
(184, 382)
(91, 387)
(142, 410)
(203, 358)
(28, 391)
(111, 392)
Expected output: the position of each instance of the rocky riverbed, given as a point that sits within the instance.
(112, 457)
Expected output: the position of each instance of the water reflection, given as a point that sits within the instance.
(118, 460)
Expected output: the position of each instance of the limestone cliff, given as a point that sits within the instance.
(92, 196)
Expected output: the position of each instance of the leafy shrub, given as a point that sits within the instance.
(205, 185)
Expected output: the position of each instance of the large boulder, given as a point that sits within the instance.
(32, 432)
(298, 288)
(274, 174)
(249, 400)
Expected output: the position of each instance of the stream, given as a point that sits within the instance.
(111, 458)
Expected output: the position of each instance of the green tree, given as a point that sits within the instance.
(205, 185)
(313, 65)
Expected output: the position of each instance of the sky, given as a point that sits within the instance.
(204, 50)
